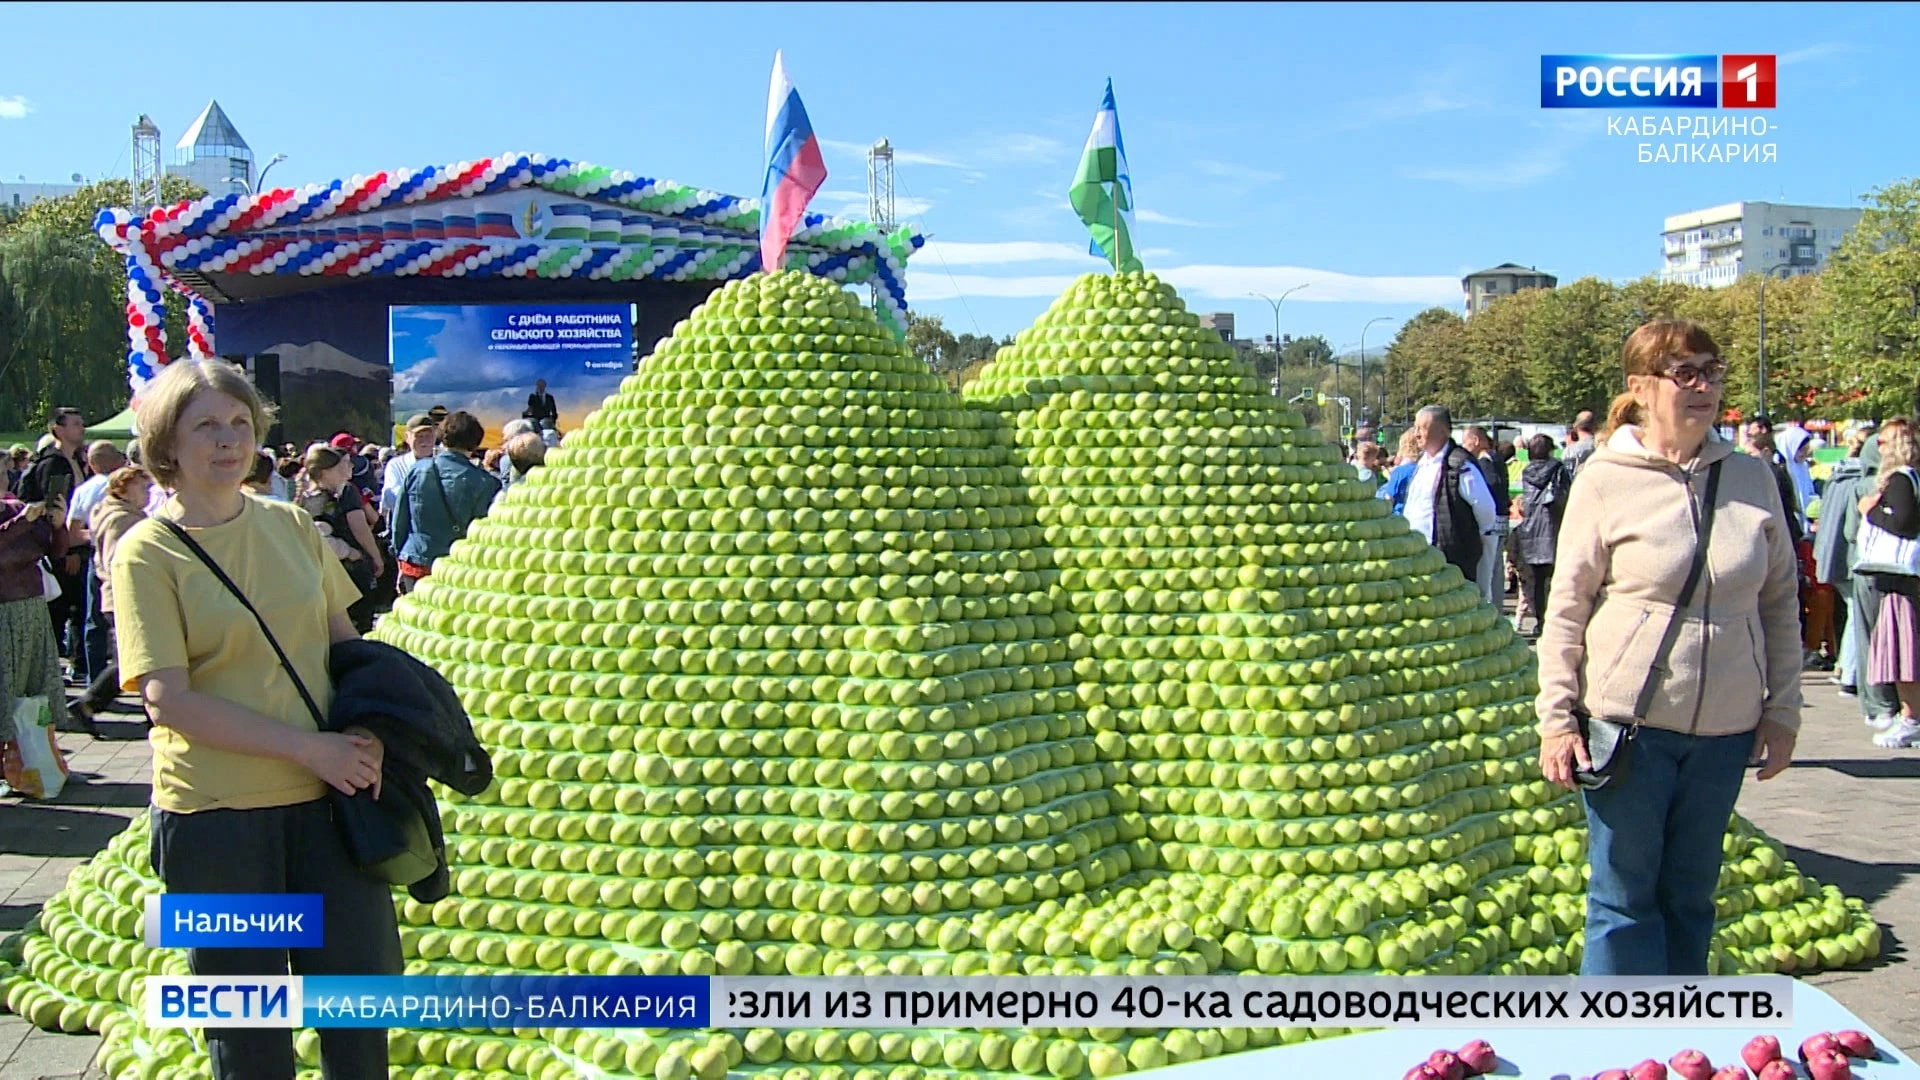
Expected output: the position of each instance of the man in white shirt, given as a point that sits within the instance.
(1448, 501)
(422, 437)
(102, 459)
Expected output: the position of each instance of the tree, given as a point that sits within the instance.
(1874, 306)
(1572, 340)
(932, 342)
(1306, 352)
(1496, 358)
(1427, 363)
(62, 336)
(62, 306)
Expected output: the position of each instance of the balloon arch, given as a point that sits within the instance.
(515, 215)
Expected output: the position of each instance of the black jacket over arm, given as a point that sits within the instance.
(424, 728)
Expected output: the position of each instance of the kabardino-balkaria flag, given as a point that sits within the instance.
(1102, 192)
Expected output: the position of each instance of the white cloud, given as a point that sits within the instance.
(1002, 253)
(1328, 286)
(1208, 280)
(1817, 52)
(1243, 173)
(1155, 217)
(900, 157)
(15, 107)
(848, 203)
(1018, 148)
(1521, 170)
(1434, 94)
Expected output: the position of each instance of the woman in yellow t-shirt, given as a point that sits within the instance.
(240, 770)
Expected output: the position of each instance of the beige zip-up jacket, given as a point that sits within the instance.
(1624, 550)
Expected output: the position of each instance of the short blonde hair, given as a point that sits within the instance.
(158, 414)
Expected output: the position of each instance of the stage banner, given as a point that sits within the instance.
(487, 358)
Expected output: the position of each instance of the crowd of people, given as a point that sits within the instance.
(1680, 577)
(383, 513)
(1678, 581)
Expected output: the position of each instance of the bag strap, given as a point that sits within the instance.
(287, 665)
(1703, 539)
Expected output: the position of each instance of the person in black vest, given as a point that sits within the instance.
(541, 408)
(1448, 501)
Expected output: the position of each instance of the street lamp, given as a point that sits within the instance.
(259, 183)
(1762, 387)
(1276, 321)
(1363, 371)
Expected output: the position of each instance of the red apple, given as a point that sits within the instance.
(1478, 1057)
(1648, 1070)
(1422, 1071)
(1447, 1064)
(1829, 1065)
(1691, 1065)
(1855, 1043)
(1777, 1069)
(1731, 1072)
(1814, 1044)
(1760, 1050)
(1613, 1074)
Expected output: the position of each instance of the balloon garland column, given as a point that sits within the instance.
(199, 328)
(146, 320)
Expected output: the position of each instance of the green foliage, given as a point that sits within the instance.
(1427, 362)
(956, 359)
(63, 332)
(1547, 354)
(1306, 352)
(1873, 308)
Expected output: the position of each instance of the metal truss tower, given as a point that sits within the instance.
(146, 165)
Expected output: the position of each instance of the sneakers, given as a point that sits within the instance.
(1898, 737)
(1880, 723)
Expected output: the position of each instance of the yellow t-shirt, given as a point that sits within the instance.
(172, 612)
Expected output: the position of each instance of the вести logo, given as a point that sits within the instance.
(1619, 81)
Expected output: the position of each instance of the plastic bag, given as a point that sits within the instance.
(33, 764)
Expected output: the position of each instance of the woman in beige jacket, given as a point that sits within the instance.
(1728, 694)
(124, 506)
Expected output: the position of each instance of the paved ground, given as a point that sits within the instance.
(1845, 811)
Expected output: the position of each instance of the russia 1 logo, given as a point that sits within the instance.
(1746, 81)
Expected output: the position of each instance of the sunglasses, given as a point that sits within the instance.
(1695, 378)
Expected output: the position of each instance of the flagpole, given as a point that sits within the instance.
(1116, 183)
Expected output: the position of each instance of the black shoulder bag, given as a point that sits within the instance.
(1609, 740)
(399, 855)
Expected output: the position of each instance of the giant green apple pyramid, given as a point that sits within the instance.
(791, 661)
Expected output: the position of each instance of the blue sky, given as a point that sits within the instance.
(1377, 152)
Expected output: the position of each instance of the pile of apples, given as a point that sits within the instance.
(792, 661)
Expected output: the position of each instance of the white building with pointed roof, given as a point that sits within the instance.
(213, 155)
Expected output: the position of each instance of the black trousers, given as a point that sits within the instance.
(104, 690)
(1534, 579)
(292, 849)
(69, 614)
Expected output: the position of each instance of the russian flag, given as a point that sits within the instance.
(795, 169)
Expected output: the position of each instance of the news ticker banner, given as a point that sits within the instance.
(966, 1002)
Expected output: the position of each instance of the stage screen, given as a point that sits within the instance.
(484, 358)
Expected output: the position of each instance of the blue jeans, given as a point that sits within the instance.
(99, 632)
(1654, 846)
